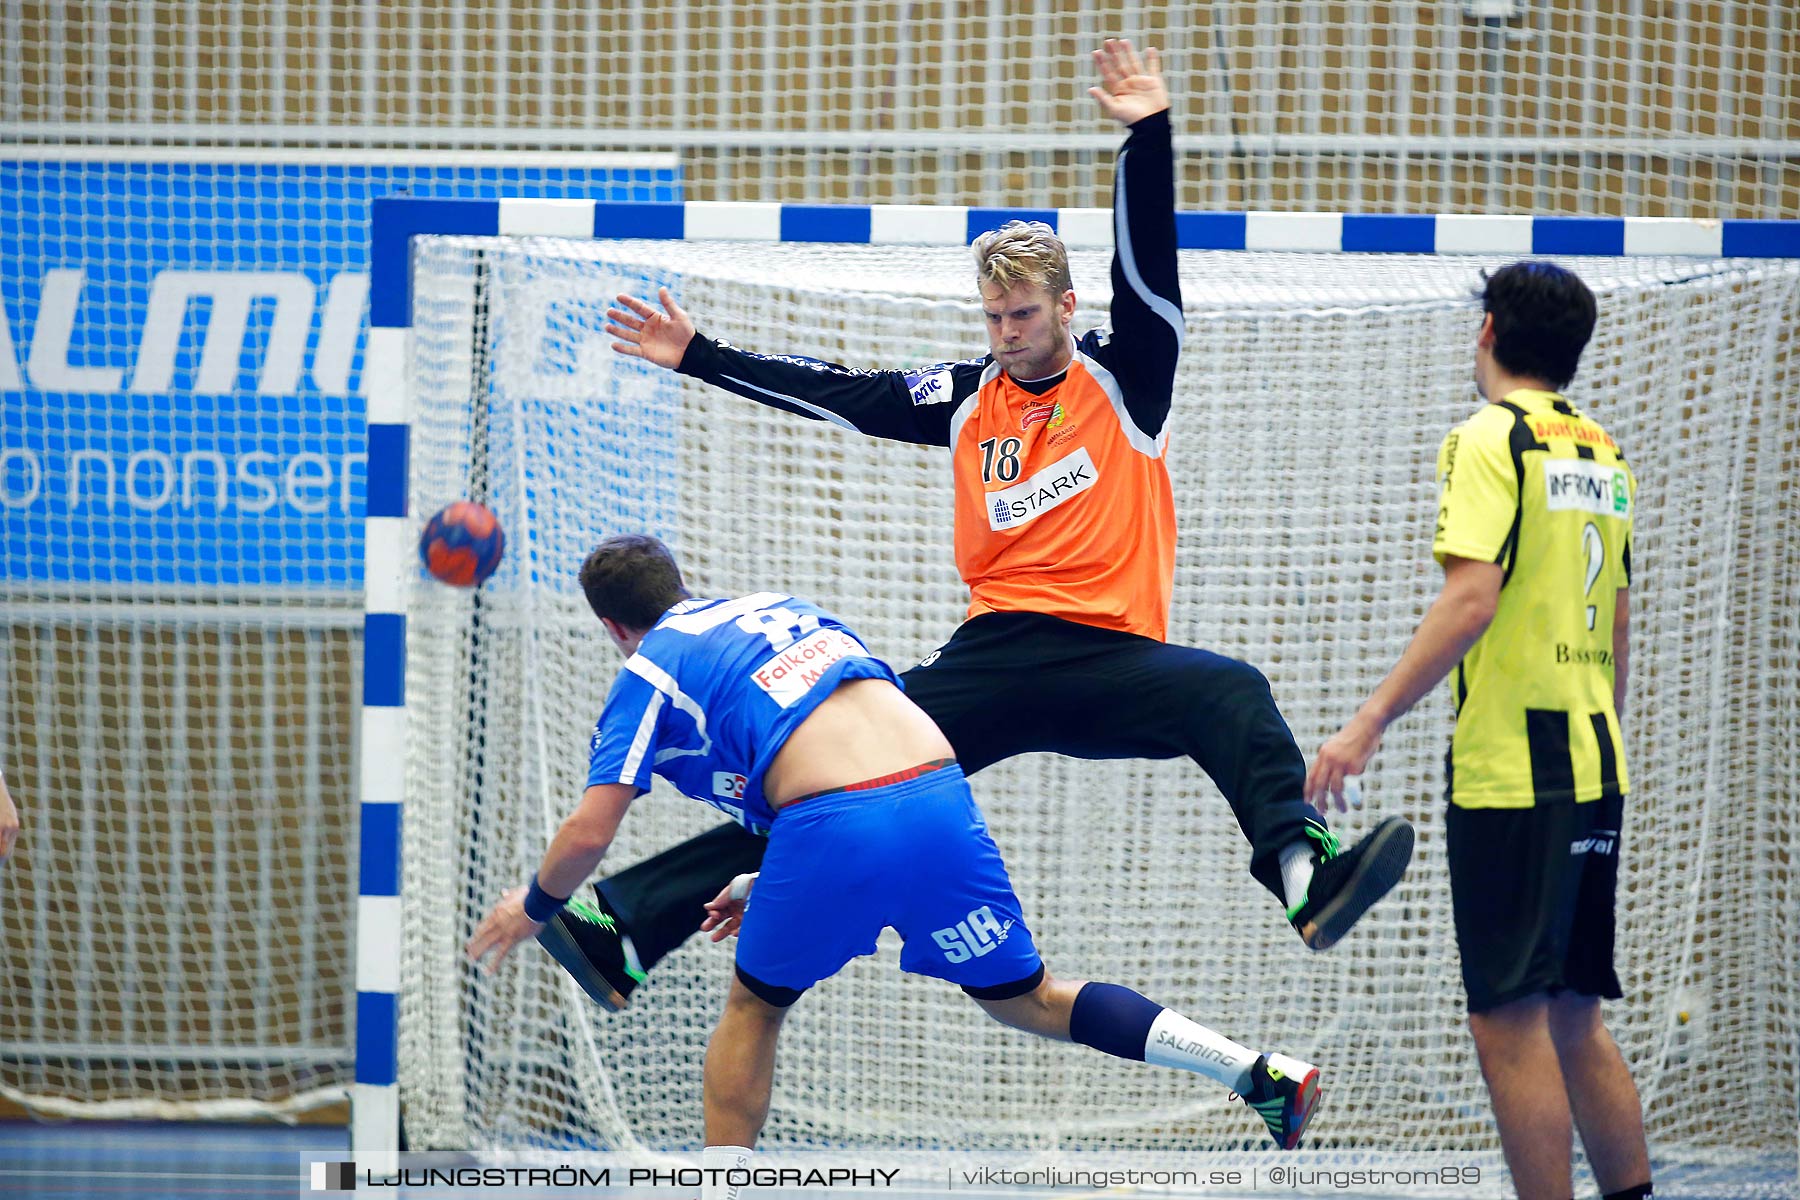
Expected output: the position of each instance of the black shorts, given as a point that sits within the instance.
(1013, 683)
(1533, 894)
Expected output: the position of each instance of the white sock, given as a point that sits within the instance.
(721, 1159)
(1186, 1045)
(1296, 870)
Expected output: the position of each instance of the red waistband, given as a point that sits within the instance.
(925, 768)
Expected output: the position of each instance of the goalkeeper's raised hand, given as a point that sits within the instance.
(1131, 88)
(642, 331)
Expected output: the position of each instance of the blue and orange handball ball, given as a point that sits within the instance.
(462, 544)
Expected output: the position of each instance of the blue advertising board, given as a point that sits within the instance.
(180, 359)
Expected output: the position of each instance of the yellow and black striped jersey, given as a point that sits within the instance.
(1538, 488)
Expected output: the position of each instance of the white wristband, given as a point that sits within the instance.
(740, 887)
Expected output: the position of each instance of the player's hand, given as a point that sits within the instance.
(502, 929)
(725, 911)
(9, 822)
(1342, 756)
(644, 332)
(1130, 88)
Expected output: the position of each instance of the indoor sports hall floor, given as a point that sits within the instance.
(147, 1161)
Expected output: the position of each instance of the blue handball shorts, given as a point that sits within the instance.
(913, 855)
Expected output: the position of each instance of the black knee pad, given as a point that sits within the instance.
(768, 993)
(1006, 991)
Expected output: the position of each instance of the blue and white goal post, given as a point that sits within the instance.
(391, 555)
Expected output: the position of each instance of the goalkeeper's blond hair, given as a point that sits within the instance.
(1022, 252)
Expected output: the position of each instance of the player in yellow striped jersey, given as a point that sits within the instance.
(1534, 535)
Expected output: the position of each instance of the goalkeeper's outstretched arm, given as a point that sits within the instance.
(1142, 344)
(907, 407)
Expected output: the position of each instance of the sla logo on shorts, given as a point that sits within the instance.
(1592, 487)
(973, 936)
(792, 673)
(1024, 502)
(729, 785)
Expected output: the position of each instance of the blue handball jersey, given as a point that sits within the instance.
(714, 691)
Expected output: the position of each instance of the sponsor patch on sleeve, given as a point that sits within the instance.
(792, 673)
(929, 386)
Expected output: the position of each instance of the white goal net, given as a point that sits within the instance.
(1309, 406)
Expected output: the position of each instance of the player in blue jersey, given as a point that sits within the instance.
(770, 710)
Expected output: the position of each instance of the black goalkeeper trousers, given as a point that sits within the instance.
(1010, 683)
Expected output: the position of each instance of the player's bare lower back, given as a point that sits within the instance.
(865, 730)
